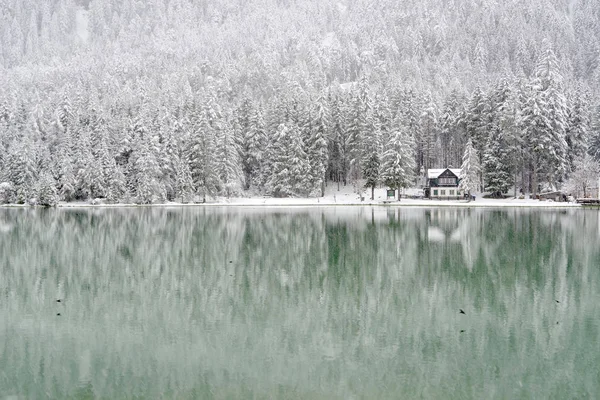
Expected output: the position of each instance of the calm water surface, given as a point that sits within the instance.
(338, 303)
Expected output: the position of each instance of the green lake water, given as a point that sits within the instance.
(299, 303)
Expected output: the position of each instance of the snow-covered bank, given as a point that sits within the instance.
(270, 202)
(343, 197)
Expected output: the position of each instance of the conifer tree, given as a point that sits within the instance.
(428, 142)
(451, 139)
(470, 169)
(361, 125)
(183, 184)
(584, 177)
(338, 145)
(318, 149)
(576, 130)
(398, 165)
(202, 151)
(252, 142)
(544, 118)
(148, 189)
(227, 163)
(371, 172)
(299, 165)
(594, 135)
(498, 153)
(279, 182)
(47, 194)
(477, 120)
(22, 173)
(496, 164)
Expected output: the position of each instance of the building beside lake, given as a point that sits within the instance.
(443, 184)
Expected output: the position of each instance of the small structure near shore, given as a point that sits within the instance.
(442, 184)
(589, 202)
(557, 196)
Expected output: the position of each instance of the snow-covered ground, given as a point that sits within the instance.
(347, 196)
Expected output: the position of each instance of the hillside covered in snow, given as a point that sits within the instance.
(162, 100)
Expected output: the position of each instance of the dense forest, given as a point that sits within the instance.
(178, 100)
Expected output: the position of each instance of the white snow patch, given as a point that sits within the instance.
(329, 40)
(348, 86)
(82, 25)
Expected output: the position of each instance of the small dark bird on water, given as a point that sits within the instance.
(557, 301)
(58, 314)
(230, 261)
(58, 301)
(462, 312)
(462, 331)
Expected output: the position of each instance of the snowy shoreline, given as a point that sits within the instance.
(342, 197)
(324, 202)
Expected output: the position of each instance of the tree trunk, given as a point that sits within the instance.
(373, 192)
(515, 181)
(534, 182)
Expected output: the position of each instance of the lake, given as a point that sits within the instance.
(299, 303)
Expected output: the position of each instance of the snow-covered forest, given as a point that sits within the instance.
(175, 100)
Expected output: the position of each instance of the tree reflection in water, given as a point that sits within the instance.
(321, 303)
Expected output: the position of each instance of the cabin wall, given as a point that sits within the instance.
(447, 192)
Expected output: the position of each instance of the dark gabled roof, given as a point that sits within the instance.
(435, 173)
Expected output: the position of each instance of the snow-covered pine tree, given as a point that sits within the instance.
(227, 163)
(451, 137)
(576, 132)
(202, 150)
(113, 177)
(338, 156)
(409, 113)
(398, 160)
(165, 136)
(584, 177)
(65, 115)
(22, 173)
(594, 135)
(46, 193)
(497, 172)
(428, 144)
(477, 120)
(317, 148)
(544, 118)
(360, 126)
(470, 169)
(498, 153)
(148, 188)
(88, 179)
(65, 176)
(371, 167)
(3, 157)
(298, 164)
(183, 184)
(279, 181)
(252, 141)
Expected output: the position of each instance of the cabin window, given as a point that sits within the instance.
(447, 181)
(452, 193)
(435, 192)
(443, 192)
